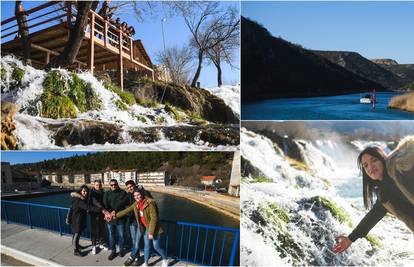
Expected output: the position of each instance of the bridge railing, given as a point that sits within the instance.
(194, 243)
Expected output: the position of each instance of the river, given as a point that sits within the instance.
(341, 107)
(170, 208)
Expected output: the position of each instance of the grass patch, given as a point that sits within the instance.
(150, 103)
(56, 83)
(126, 97)
(77, 93)
(140, 118)
(17, 74)
(160, 120)
(403, 102)
(121, 105)
(57, 106)
(173, 111)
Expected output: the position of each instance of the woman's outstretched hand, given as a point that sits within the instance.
(343, 243)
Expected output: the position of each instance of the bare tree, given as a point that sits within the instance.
(21, 17)
(209, 25)
(77, 33)
(178, 63)
(223, 51)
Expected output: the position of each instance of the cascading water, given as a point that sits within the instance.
(294, 215)
(34, 131)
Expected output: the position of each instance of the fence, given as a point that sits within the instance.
(189, 242)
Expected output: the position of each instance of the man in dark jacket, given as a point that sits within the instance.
(134, 229)
(115, 200)
(97, 220)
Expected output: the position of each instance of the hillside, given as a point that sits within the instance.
(404, 71)
(361, 66)
(189, 167)
(275, 68)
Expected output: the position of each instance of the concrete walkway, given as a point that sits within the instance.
(41, 247)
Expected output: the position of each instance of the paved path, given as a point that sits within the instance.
(41, 247)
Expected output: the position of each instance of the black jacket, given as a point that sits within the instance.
(390, 199)
(115, 201)
(96, 198)
(79, 208)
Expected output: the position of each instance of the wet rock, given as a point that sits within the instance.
(8, 141)
(247, 169)
(86, 133)
(145, 135)
(196, 100)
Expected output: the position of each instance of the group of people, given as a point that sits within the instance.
(107, 13)
(113, 209)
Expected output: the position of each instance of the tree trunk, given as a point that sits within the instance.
(77, 32)
(197, 74)
(21, 17)
(219, 81)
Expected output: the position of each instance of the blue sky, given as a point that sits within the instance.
(151, 35)
(374, 29)
(15, 157)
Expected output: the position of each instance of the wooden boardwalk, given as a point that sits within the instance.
(103, 47)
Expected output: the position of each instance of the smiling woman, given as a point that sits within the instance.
(389, 180)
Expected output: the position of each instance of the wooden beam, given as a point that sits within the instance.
(131, 49)
(106, 34)
(91, 42)
(121, 66)
(35, 46)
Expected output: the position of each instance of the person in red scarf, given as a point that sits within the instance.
(146, 213)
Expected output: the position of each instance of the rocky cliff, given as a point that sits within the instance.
(275, 68)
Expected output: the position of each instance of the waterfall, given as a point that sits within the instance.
(293, 217)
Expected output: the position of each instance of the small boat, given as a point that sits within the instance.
(366, 99)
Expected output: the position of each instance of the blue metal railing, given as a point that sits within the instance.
(194, 243)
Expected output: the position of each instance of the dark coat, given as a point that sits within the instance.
(79, 208)
(95, 198)
(115, 201)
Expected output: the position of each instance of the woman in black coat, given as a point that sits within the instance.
(79, 209)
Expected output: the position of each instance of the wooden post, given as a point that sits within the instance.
(69, 14)
(131, 49)
(121, 66)
(92, 42)
(106, 34)
(47, 57)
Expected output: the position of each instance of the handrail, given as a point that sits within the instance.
(184, 241)
(30, 11)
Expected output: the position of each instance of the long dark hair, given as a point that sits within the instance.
(370, 187)
(83, 187)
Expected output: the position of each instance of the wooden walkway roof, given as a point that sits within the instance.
(104, 46)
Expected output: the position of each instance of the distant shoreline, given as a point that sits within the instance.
(258, 98)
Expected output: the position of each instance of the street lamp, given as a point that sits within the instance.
(165, 56)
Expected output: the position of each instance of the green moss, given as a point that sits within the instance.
(275, 214)
(336, 211)
(297, 164)
(159, 120)
(374, 241)
(121, 105)
(77, 93)
(17, 74)
(173, 111)
(126, 97)
(56, 83)
(57, 106)
(3, 72)
(151, 103)
(261, 179)
(93, 101)
(140, 118)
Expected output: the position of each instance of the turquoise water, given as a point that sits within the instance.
(170, 208)
(343, 107)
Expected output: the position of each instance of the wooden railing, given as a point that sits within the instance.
(35, 18)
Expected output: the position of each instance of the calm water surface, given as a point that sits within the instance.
(343, 107)
(170, 208)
